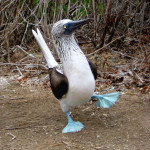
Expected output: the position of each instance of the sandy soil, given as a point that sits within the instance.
(31, 119)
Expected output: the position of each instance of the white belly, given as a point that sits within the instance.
(81, 83)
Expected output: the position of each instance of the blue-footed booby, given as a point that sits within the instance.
(76, 84)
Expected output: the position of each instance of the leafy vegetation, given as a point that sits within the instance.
(120, 25)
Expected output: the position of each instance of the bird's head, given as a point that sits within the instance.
(66, 27)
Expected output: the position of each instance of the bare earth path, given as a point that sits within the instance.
(31, 119)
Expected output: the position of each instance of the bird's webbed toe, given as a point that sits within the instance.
(73, 126)
(106, 100)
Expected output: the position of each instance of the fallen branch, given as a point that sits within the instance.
(105, 45)
(16, 64)
(13, 137)
(16, 98)
(29, 126)
(31, 55)
(124, 55)
(19, 70)
(57, 144)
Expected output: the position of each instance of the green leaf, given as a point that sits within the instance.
(73, 1)
(84, 14)
(21, 2)
(101, 8)
(35, 2)
(65, 7)
(86, 2)
(81, 9)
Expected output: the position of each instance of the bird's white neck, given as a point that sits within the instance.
(66, 47)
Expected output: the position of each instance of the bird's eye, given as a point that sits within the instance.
(65, 27)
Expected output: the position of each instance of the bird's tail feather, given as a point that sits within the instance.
(51, 62)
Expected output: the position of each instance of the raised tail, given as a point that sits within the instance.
(51, 62)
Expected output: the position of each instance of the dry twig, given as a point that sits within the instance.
(98, 50)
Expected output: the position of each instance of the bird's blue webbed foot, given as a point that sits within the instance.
(106, 100)
(72, 126)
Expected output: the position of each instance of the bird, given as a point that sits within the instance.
(75, 84)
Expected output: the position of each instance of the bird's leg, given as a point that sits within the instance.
(72, 126)
(106, 100)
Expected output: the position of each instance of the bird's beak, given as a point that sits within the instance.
(73, 25)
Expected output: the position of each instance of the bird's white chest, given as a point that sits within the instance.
(81, 80)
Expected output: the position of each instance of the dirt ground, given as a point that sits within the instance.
(31, 119)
